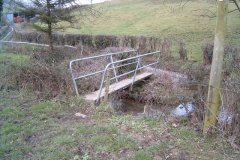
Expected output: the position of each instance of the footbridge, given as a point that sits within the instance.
(120, 70)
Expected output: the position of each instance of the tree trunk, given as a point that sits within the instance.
(49, 23)
(212, 104)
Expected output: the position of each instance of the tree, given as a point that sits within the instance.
(49, 13)
(212, 104)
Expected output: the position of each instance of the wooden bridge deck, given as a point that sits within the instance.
(116, 86)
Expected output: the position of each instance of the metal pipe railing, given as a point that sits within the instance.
(98, 72)
(37, 44)
(135, 71)
(74, 78)
(9, 33)
(102, 55)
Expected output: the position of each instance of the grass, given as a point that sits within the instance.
(8, 128)
(159, 19)
(108, 143)
(14, 58)
(50, 130)
(43, 107)
(10, 58)
(7, 61)
(33, 128)
(141, 155)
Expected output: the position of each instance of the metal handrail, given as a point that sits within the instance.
(98, 72)
(37, 44)
(9, 33)
(28, 43)
(138, 67)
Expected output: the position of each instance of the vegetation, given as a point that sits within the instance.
(38, 117)
(194, 23)
(33, 129)
(50, 13)
(40, 127)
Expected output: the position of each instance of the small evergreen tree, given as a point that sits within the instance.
(49, 13)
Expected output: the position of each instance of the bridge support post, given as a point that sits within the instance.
(114, 69)
(108, 81)
(135, 73)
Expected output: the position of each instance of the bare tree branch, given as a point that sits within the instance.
(236, 3)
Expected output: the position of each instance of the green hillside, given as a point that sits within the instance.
(160, 18)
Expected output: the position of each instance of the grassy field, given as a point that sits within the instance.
(161, 19)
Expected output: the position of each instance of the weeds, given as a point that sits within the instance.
(85, 156)
(141, 155)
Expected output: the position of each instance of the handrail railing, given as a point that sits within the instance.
(8, 34)
(139, 66)
(74, 78)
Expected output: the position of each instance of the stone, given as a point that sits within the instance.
(81, 115)
(183, 110)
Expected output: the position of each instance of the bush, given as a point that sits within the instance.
(44, 79)
(231, 53)
(143, 44)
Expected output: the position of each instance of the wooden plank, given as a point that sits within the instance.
(117, 86)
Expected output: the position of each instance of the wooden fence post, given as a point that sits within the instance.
(212, 104)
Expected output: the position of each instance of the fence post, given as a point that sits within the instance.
(216, 68)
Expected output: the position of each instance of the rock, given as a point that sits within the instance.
(183, 110)
(225, 117)
(80, 115)
(174, 125)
